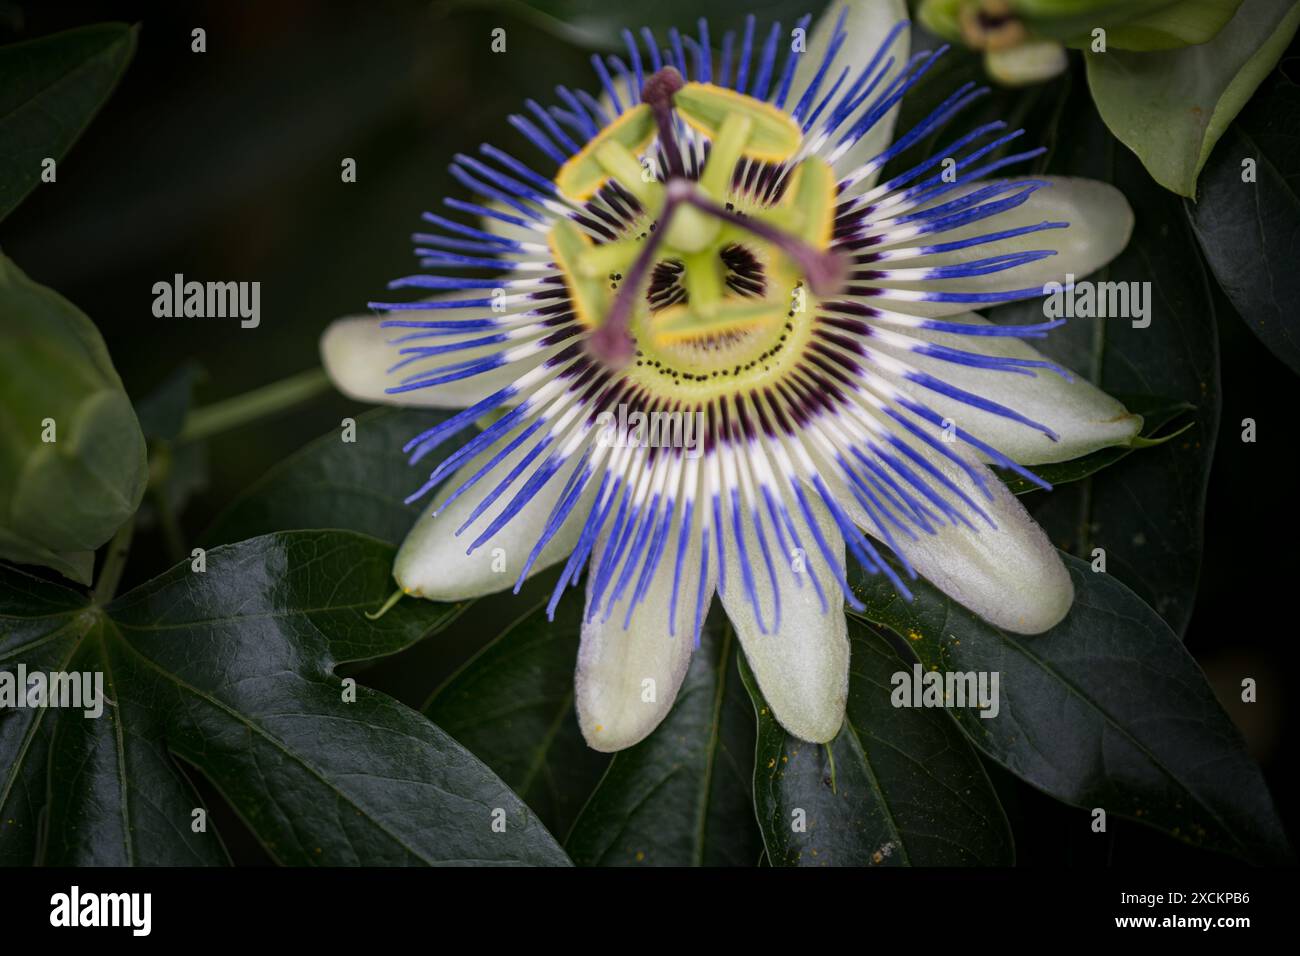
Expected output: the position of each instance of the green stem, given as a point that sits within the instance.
(830, 757)
(387, 606)
(259, 403)
(114, 563)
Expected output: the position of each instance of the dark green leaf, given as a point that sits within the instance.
(232, 671)
(1250, 231)
(359, 486)
(896, 787)
(1146, 511)
(50, 89)
(681, 797)
(1105, 710)
(41, 625)
(512, 706)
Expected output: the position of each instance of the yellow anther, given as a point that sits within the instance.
(775, 137)
(584, 173)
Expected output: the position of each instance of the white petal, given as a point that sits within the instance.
(432, 562)
(1009, 575)
(867, 24)
(1084, 416)
(616, 706)
(1012, 576)
(1100, 225)
(357, 355)
(802, 666)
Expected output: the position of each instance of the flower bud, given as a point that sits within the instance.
(999, 27)
(72, 457)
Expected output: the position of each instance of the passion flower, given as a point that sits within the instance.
(705, 235)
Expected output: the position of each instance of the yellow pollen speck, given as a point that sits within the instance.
(640, 855)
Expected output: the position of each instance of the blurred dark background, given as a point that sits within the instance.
(225, 165)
